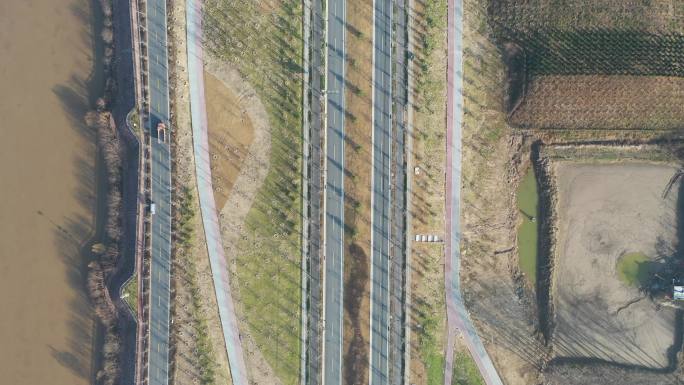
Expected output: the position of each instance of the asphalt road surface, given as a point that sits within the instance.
(314, 184)
(334, 194)
(457, 315)
(398, 265)
(158, 370)
(381, 197)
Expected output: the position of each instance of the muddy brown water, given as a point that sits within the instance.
(47, 173)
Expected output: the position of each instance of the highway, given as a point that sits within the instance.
(217, 259)
(381, 196)
(457, 314)
(160, 227)
(312, 374)
(333, 201)
(399, 213)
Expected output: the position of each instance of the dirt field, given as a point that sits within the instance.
(50, 75)
(230, 135)
(605, 211)
(651, 16)
(595, 102)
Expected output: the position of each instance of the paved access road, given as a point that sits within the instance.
(457, 315)
(334, 194)
(381, 197)
(210, 222)
(160, 277)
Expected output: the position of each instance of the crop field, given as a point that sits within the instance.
(598, 65)
(601, 102)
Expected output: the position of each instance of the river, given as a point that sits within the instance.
(47, 193)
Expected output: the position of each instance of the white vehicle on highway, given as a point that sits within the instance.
(161, 132)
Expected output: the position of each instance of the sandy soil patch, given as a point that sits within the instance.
(230, 134)
(606, 211)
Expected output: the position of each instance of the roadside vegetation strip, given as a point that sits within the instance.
(263, 41)
(130, 294)
(357, 155)
(528, 231)
(204, 352)
(431, 318)
(465, 370)
(427, 292)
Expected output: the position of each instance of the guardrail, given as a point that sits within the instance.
(142, 251)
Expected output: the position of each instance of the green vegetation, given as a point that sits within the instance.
(185, 236)
(430, 81)
(130, 294)
(134, 121)
(635, 269)
(429, 347)
(528, 199)
(429, 148)
(263, 41)
(465, 370)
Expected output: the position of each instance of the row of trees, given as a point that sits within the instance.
(106, 251)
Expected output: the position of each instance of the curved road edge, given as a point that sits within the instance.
(457, 314)
(219, 267)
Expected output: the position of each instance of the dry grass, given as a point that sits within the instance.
(428, 311)
(191, 262)
(358, 128)
(195, 312)
(492, 161)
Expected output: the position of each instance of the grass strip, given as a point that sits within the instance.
(263, 41)
(465, 370)
(185, 235)
(130, 294)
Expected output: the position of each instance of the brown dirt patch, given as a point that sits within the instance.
(595, 102)
(605, 211)
(230, 135)
(357, 183)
